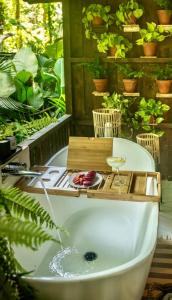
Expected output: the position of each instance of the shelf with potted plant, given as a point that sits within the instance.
(114, 45)
(150, 114)
(127, 15)
(130, 79)
(164, 11)
(150, 37)
(96, 17)
(99, 73)
(163, 76)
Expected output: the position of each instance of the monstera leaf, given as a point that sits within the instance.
(7, 86)
(26, 60)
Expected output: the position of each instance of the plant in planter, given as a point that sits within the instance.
(165, 11)
(123, 104)
(130, 77)
(150, 114)
(163, 75)
(99, 73)
(95, 15)
(128, 12)
(117, 45)
(150, 36)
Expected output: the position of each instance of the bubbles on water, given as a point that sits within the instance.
(69, 262)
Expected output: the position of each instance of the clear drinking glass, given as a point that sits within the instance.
(116, 162)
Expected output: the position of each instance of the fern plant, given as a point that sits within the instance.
(22, 222)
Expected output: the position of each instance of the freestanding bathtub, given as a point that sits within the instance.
(120, 235)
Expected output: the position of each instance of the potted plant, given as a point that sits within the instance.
(96, 15)
(99, 73)
(165, 11)
(150, 36)
(130, 77)
(128, 13)
(150, 113)
(113, 43)
(163, 75)
(124, 104)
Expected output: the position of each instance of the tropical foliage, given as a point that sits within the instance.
(128, 12)
(22, 222)
(129, 72)
(153, 33)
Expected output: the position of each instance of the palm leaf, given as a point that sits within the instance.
(10, 104)
(23, 205)
(23, 232)
(7, 66)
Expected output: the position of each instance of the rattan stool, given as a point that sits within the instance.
(107, 122)
(150, 141)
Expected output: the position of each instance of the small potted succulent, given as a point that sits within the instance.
(165, 11)
(163, 75)
(96, 15)
(99, 73)
(128, 13)
(150, 113)
(150, 36)
(130, 77)
(113, 43)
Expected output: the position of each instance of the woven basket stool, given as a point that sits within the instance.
(150, 141)
(107, 122)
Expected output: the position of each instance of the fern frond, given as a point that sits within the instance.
(23, 232)
(22, 205)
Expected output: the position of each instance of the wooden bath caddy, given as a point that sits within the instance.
(135, 187)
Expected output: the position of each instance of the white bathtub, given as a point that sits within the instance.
(122, 234)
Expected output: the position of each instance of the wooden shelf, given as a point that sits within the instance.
(112, 59)
(158, 95)
(131, 28)
(131, 94)
(166, 27)
(98, 94)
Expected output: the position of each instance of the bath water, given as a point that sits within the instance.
(77, 256)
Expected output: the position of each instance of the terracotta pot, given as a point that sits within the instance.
(164, 16)
(112, 51)
(97, 21)
(164, 86)
(130, 85)
(150, 49)
(101, 85)
(132, 20)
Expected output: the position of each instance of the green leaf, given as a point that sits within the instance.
(26, 60)
(7, 85)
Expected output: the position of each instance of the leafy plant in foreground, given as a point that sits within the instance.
(22, 222)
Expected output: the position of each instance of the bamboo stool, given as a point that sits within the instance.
(107, 122)
(150, 141)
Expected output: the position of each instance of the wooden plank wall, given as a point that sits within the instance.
(79, 86)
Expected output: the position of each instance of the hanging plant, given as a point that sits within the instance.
(117, 45)
(128, 13)
(96, 14)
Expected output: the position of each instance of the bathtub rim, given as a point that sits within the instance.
(115, 271)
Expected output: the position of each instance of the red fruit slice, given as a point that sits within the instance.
(87, 182)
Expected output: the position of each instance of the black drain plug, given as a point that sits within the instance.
(90, 256)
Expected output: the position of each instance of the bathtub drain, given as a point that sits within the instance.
(90, 256)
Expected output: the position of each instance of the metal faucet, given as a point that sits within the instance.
(18, 169)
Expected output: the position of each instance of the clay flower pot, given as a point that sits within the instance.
(112, 51)
(164, 86)
(101, 85)
(132, 20)
(130, 85)
(150, 49)
(97, 21)
(164, 16)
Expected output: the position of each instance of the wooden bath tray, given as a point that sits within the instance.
(138, 186)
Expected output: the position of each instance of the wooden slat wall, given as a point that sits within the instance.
(79, 86)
